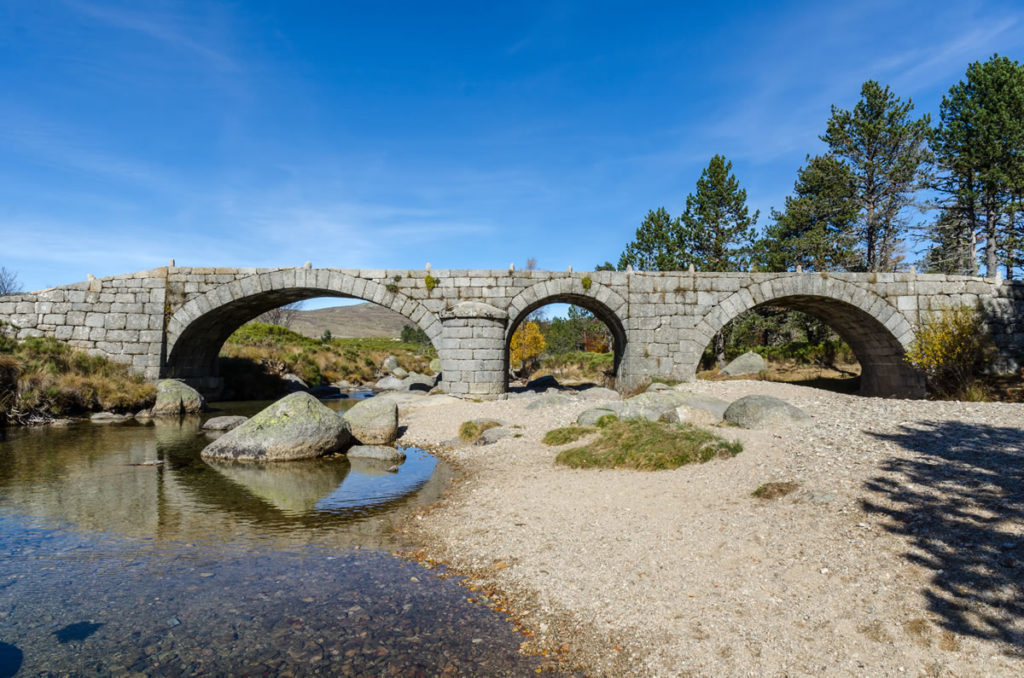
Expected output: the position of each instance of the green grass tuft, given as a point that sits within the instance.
(648, 446)
(566, 435)
(774, 490)
(470, 431)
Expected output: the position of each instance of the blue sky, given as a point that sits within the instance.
(468, 135)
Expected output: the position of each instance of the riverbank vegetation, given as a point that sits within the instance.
(257, 356)
(42, 378)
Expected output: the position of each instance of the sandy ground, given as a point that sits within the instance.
(901, 553)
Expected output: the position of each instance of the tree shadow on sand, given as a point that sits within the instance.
(960, 502)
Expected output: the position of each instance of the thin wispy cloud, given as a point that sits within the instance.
(164, 28)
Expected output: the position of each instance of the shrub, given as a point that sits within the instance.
(648, 446)
(951, 348)
(586, 282)
(430, 281)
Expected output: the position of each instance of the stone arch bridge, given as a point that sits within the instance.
(172, 321)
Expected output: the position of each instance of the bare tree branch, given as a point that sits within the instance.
(9, 282)
(281, 316)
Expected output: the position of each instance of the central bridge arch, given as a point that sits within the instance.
(876, 331)
(607, 306)
(197, 331)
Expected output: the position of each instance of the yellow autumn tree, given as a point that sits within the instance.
(527, 343)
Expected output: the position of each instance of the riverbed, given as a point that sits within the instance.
(125, 553)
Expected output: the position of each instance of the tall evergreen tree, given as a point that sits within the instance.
(886, 150)
(658, 245)
(817, 229)
(714, 233)
(979, 147)
(716, 227)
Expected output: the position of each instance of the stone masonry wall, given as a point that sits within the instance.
(171, 321)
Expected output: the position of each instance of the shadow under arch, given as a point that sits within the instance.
(877, 333)
(600, 310)
(197, 331)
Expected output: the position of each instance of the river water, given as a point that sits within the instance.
(113, 565)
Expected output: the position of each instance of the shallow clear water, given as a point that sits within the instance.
(110, 564)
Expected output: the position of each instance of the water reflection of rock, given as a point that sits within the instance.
(293, 488)
(83, 475)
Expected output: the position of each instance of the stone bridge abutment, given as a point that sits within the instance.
(172, 322)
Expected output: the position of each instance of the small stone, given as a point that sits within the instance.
(379, 452)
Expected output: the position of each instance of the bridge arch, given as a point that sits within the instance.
(197, 331)
(607, 306)
(878, 333)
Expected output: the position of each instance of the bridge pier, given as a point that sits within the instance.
(472, 350)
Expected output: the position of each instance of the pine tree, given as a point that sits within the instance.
(886, 151)
(716, 228)
(658, 245)
(817, 228)
(979, 147)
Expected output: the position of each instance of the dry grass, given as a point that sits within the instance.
(255, 357)
(43, 378)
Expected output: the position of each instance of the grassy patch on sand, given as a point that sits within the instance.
(774, 490)
(648, 446)
(566, 435)
(470, 431)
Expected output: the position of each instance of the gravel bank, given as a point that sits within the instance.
(900, 553)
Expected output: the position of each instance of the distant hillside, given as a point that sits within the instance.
(358, 320)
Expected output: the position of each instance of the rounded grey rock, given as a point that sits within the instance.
(224, 423)
(378, 452)
(748, 363)
(297, 426)
(374, 421)
(761, 411)
(175, 398)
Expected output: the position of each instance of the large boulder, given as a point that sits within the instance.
(297, 426)
(590, 416)
(418, 382)
(748, 363)
(390, 383)
(175, 398)
(374, 421)
(702, 411)
(390, 364)
(761, 411)
(659, 406)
